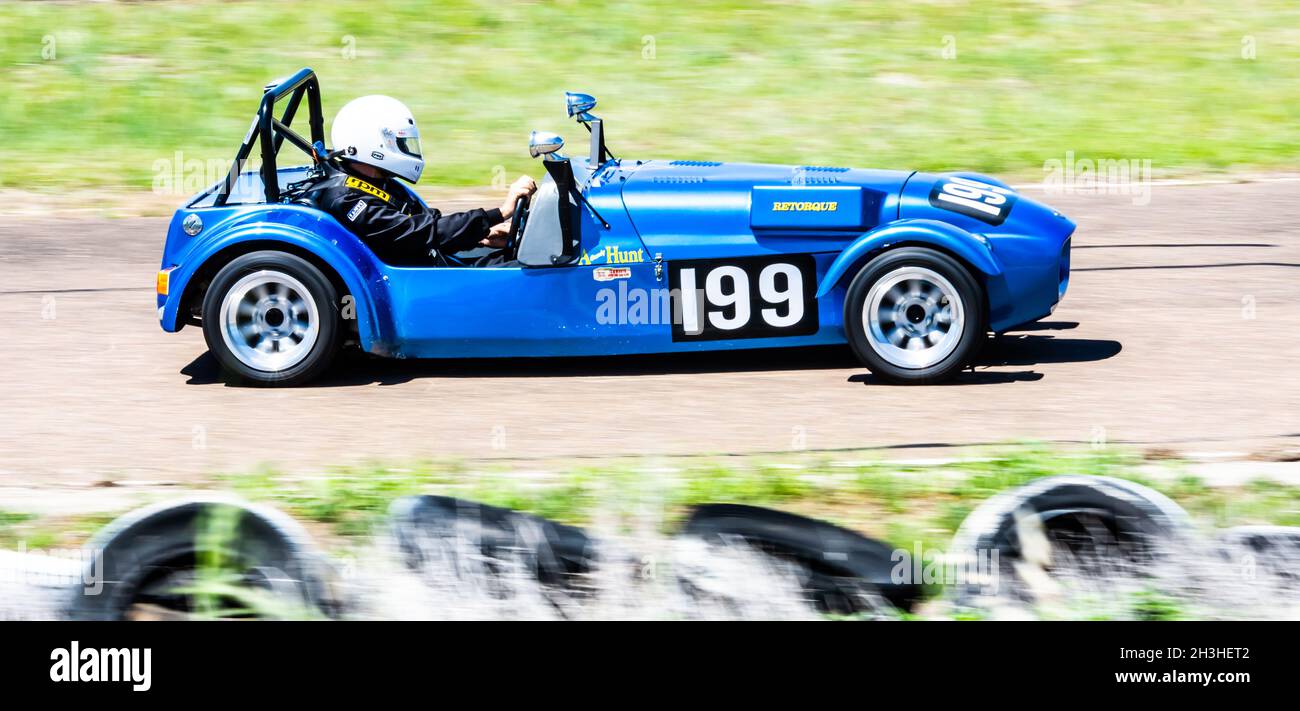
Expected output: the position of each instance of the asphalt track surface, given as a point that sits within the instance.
(1181, 331)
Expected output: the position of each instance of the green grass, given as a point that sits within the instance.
(219, 589)
(11, 527)
(793, 82)
(36, 532)
(901, 504)
(1259, 502)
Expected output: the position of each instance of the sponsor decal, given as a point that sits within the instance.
(611, 273)
(612, 254)
(356, 210)
(365, 187)
(805, 206)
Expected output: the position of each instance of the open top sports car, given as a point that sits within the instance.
(616, 256)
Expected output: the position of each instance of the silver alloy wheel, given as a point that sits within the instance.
(269, 321)
(913, 317)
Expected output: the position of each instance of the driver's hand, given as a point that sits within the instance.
(497, 235)
(521, 187)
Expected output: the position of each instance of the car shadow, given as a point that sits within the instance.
(1025, 347)
(1046, 326)
(1034, 349)
(353, 368)
(966, 377)
(203, 370)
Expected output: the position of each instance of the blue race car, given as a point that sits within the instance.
(616, 256)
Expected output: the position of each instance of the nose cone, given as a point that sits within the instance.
(1030, 217)
(981, 205)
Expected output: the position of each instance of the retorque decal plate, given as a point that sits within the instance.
(744, 297)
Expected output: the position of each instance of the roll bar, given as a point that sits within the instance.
(272, 132)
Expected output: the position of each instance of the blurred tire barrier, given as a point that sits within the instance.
(1091, 523)
(34, 584)
(1265, 550)
(215, 558)
(466, 537)
(238, 560)
(840, 571)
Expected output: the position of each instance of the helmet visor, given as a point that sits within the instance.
(409, 146)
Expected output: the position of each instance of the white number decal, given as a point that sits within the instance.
(972, 194)
(690, 304)
(738, 297)
(792, 294)
(780, 302)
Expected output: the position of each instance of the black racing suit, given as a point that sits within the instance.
(397, 227)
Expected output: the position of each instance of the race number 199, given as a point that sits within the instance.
(985, 202)
(744, 297)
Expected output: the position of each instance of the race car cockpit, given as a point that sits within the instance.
(546, 232)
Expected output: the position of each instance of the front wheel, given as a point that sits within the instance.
(914, 315)
(270, 318)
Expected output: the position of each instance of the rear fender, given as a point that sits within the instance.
(340, 250)
(969, 248)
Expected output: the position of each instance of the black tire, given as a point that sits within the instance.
(145, 559)
(1094, 521)
(428, 527)
(841, 571)
(319, 290)
(967, 289)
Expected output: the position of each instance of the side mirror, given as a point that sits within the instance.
(545, 144)
(579, 105)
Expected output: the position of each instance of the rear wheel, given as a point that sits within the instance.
(271, 318)
(914, 315)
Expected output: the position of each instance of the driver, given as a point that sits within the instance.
(381, 143)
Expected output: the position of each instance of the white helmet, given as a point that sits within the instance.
(379, 131)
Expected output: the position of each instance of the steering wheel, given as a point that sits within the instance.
(517, 222)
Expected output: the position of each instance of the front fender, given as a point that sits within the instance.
(309, 231)
(973, 250)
